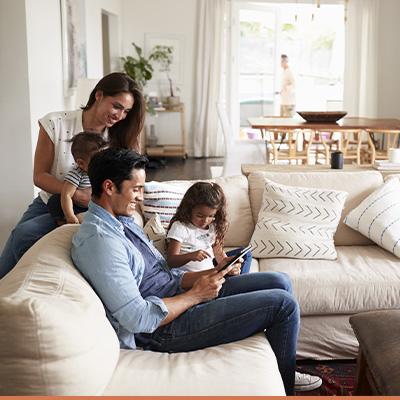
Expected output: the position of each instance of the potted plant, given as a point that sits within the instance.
(164, 56)
(140, 70)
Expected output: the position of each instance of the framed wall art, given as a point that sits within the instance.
(73, 27)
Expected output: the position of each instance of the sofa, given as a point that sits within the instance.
(55, 338)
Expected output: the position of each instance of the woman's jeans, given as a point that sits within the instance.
(246, 264)
(246, 304)
(35, 223)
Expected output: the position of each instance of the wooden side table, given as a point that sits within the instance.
(378, 364)
(169, 150)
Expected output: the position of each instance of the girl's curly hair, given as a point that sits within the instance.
(204, 194)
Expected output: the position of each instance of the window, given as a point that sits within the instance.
(313, 39)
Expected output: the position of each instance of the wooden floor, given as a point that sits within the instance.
(177, 168)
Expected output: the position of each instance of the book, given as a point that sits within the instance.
(386, 165)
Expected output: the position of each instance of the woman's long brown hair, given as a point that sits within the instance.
(124, 134)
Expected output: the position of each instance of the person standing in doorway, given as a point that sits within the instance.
(288, 89)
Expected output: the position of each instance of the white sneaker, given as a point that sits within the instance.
(305, 382)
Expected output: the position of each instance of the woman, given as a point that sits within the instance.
(116, 109)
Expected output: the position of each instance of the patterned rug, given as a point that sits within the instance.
(338, 376)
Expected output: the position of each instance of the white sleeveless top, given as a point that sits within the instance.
(62, 126)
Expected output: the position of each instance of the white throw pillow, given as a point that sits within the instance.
(378, 216)
(156, 232)
(297, 222)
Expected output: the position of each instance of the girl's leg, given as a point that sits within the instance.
(34, 224)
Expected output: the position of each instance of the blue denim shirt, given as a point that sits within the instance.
(114, 267)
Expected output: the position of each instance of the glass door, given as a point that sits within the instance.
(255, 62)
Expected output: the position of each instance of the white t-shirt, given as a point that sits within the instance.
(62, 126)
(193, 239)
(288, 85)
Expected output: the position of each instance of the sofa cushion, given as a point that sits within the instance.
(54, 336)
(357, 184)
(238, 206)
(156, 233)
(297, 222)
(378, 216)
(244, 368)
(362, 278)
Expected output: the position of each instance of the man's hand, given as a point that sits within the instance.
(207, 287)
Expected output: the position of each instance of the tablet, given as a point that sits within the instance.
(236, 257)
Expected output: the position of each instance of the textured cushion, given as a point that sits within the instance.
(162, 199)
(357, 184)
(362, 278)
(54, 336)
(244, 368)
(156, 232)
(378, 216)
(297, 222)
(238, 206)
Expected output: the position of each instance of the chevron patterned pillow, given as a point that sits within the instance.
(378, 216)
(297, 222)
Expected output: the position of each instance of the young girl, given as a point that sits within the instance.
(196, 233)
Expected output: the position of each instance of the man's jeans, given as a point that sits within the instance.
(35, 223)
(246, 304)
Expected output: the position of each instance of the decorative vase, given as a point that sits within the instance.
(152, 139)
(175, 100)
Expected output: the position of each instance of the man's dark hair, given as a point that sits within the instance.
(114, 164)
(84, 144)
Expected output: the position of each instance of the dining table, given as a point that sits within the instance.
(345, 126)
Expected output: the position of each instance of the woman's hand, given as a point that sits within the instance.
(82, 196)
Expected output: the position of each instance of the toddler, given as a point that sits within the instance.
(196, 233)
(61, 206)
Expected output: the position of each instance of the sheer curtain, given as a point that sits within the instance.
(208, 139)
(361, 59)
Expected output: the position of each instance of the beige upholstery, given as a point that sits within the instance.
(358, 184)
(56, 340)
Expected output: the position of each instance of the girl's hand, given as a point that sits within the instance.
(82, 196)
(200, 255)
(235, 268)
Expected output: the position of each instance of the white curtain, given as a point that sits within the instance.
(361, 59)
(208, 139)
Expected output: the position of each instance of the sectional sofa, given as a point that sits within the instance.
(55, 338)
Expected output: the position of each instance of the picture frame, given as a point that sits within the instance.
(73, 27)
(177, 67)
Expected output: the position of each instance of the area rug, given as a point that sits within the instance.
(338, 376)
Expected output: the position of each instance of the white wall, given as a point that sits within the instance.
(172, 17)
(389, 59)
(15, 122)
(31, 82)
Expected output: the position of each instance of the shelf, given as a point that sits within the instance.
(169, 150)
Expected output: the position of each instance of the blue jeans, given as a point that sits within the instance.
(35, 223)
(246, 304)
(246, 264)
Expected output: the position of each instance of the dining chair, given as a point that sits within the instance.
(374, 152)
(289, 145)
(238, 152)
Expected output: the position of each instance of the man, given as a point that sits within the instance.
(288, 89)
(146, 302)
